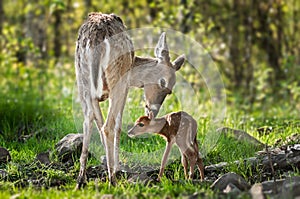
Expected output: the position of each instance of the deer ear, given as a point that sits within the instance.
(178, 62)
(151, 115)
(161, 50)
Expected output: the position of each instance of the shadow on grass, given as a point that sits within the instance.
(23, 115)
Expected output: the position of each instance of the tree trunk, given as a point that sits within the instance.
(1, 16)
(57, 34)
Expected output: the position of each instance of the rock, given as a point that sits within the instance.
(69, 146)
(231, 188)
(256, 191)
(141, 178)
(216, 167)
(4, 155)
(271, 187)
(107, 196)
(291, 187)
(3, 174)
(43, 158)
(97, 172)
(281, 160)
(230, 178)
(241, 135)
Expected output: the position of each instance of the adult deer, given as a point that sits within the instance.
(105, 69)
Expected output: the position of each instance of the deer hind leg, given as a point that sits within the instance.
(199, 161)
(193, 156)
(87, 131)
(185, 165)
(112, 128)
(98, 119)
(200, 167)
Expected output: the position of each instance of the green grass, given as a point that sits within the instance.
(47, 124)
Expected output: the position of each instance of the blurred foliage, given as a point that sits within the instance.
(254, 43)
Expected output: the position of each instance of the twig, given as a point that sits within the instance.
(272, 168)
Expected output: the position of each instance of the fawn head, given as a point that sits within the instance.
(142, 125)
(161, 77)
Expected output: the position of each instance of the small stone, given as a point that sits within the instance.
(141, 178)
(69, 146)
(233, 178)
(107, 196)
(256, 191)
(4, 155)
(291, 187)
(43, 158)
(231, 188)
(3, 174)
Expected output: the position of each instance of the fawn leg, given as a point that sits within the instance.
(87, 131)
(192, 166)
(200, 167)
(185, 165)
(165, 159)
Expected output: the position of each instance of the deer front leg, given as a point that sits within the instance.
(165, 159)
(112, 129)
(87, 131)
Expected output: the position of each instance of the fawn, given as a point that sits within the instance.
(179, 128)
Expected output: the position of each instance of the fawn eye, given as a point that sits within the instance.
(140, 124)
(162, 82)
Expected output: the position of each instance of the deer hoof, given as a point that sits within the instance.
(81, 182)
(80, 185)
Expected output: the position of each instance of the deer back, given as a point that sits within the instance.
(103, 38)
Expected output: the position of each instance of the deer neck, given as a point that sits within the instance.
(159, 124)
(141, 71)
(162, 128)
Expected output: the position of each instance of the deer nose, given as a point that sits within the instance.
(130, 134)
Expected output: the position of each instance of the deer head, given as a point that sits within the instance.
(160, 78)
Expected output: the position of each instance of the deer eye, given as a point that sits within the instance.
(140, 124)
(162, 82)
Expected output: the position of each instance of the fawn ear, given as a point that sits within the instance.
(150, 115)
(161, 50)
(178, 62)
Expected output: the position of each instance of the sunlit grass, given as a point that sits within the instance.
(45, 123)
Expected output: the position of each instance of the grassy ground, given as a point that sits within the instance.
(28, 128)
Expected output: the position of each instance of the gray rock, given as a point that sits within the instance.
(231, 188)
(140, 178)
(272, 187)
(291, 187)
(3, 174)
(4, 155)
(241, 136)
(230, 178)
(256, 191)
(43, 158)
(69, 146)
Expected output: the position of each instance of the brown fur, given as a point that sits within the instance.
(97, 27)
(179, 128)
(106, 68)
